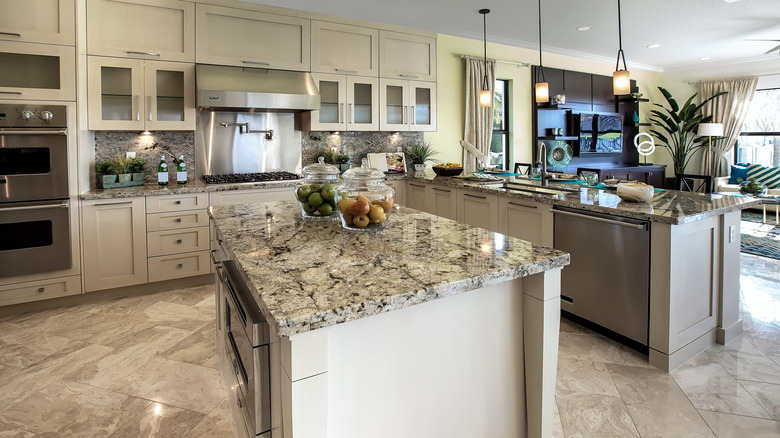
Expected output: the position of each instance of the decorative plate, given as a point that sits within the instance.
(560, 154)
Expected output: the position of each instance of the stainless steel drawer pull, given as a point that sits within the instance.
(442, 190)
(47, 132)
(415, 185)
(132, 52)
(409, 76)
(180, 266)
(256, 63)
(177, 202)
(11, 92)
(474, 196)
(521, 205)
(11, 34)
(41, 289)
(600, 219)
(178, 241)
(345, 71)
(178, 219)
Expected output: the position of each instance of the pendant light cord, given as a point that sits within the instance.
(541, 69)
(484, 13)
(620, 43)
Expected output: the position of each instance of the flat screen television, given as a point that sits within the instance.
(601, 133)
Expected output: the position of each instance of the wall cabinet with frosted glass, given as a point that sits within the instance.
(37, 71)
(134, 94)
(407, 105)
(347, 103)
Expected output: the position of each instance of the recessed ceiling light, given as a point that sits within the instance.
(704, 58)
(730, 1)
(583, 28)
(653, 46)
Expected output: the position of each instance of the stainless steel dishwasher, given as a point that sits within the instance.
(608, 280)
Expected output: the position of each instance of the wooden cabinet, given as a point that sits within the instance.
(150, 29)
(50, 22)
(577, 87)
(527, 220)
(37, 71)
(477, 209)
(252, 195)
(229, 36)
(344, 49)
(347, 103)
(442, 201)
(133, 94)
(399, 186)
(651, 174)
(39, 290)
(114, 238)
(416, 197)
(407, 105)
(407, 56)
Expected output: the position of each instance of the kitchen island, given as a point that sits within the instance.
(428, 328)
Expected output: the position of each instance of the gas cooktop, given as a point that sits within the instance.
(250, 177)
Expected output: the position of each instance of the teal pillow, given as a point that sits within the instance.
(738, 170)
(770, 176)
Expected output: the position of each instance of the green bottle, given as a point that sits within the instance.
(162, 172)
(181, 171)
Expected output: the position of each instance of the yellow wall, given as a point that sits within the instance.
(452, 95)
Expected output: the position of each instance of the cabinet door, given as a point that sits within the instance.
(169, 102)
(637, 175)
(394, 105)
(115, 90)
(345, 49)
(422, 97)
(151, 29)
(243, 38)
(333, 104)
(362, 104)
(416, 196)
(614, 174)
(37, 71)
(407, 56)
(114, 234)
(244, 196)
(399, 186)
(443, 201)
(527, 220)
(656, 178)
(51, 22)
(478, 209)
(577, 87)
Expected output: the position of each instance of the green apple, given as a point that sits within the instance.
(325, 209)
(303, 193)
(328, 194)
(315, 199)
(316, 188)
(308, 208)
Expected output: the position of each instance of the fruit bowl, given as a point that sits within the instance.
(447, 171)
(316, 200)
(361, 213)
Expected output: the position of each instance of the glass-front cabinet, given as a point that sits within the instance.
(37, 71)
(407, 105)
(347, 103)
(133, 94)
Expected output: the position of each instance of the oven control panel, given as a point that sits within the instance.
(33, 116)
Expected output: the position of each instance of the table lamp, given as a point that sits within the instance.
(710, 130)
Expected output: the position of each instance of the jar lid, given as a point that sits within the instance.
(320, 168)
(363, 173)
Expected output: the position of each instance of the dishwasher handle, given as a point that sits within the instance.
(642, 226)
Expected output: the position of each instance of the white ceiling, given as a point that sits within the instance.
(685, 29)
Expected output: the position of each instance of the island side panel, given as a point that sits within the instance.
(729, 324)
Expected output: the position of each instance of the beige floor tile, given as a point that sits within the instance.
(218, 423)
(557, 431)
(9, 431)
(71, 409)
(766, 394)
(597, 416)
(160, 421)
(197, 348)
(743, 361)
(175, 383)
(598, 349)
(27, 348)
(583, 377)
(735, 426)
(212, 362)
(573, 327)
(180, 316)
(107, 370)
(149, 341)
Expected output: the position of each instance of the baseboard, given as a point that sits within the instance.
(672, 361)
(728, 334)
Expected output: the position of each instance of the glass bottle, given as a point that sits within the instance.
(365, 201)
(162, 172)
(316, 194)
(181, 171)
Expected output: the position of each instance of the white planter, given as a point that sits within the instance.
(419, 167)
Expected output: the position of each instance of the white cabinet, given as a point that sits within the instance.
(416, 196)
(442, 201)
(114, 237)
(407, 105)
(251, 195)
(478, 209)
(49, 22)
(399, 186)
(151, 29)
(229, 36)
(345, 49)
(407, 56)
(39, 290)
(527, 220)
(133, 94)
(37, 71)
(347, 103)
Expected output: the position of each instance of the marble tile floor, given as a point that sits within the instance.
(146, 367)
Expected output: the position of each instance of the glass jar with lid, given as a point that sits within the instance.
(316, 194)
(365, 201)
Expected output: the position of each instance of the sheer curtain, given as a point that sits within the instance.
(730, 110)
(479, 120)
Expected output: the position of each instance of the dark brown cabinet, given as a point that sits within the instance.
(577, 87)
(652, 174)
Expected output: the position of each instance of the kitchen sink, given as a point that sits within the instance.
(531, 188)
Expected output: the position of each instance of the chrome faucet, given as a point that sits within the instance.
(542, 159)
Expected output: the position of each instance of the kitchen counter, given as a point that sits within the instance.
(194, 186)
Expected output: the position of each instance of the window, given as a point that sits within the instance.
(759, 142)
(499, 144)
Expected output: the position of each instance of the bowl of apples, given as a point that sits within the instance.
(364, 200)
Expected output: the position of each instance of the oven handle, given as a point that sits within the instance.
(48, 132)
(63, 204)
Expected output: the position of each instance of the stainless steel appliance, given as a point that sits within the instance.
(608, 280)
(34, 216)
(250, 177)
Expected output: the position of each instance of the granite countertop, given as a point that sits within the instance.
(310, 274)
(194, 186)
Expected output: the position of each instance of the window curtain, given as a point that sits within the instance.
(730, 110)
(479, 120)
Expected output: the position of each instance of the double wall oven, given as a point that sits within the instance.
(34, 204)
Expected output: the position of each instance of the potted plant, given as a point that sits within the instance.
(120, 172)
(751, 187)
(679, 125)
(338, 159)
(420, 153)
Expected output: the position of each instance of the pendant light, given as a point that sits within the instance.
(485, 96)
(542, 88)
(621, 79)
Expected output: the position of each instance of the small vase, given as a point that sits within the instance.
(125, 177)
(419, 167)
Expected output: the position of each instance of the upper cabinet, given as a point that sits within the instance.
(407, 56)
(347, 103)
(133, 94)
(37, 71)
(149, 29)
(238, 37)
(345, 49)
(51, 22)
(407, 105)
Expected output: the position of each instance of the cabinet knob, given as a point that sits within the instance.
(41, 290)
(178, 241)
(178, 219)
(177, 202)
(179, 266)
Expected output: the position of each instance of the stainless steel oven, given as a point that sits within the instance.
(34, 205)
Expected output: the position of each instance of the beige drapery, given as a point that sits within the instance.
(730, 110)
(479, 120)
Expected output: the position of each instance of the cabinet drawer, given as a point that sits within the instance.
(39, 290)
(180, 265)
(232, 197)
(176, 220)
(191, 201)
(177, 241)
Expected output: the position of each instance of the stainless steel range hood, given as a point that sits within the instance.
(223, 88)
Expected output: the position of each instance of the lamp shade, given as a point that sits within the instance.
(542, 92)
(484, 98)
(711, 129)
(621, 82)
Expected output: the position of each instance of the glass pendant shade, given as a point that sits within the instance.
(542, 92)
(621, 82)
(484, 98)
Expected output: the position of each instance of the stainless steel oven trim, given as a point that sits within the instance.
(33, 132)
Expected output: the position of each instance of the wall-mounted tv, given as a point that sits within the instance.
(601, 133)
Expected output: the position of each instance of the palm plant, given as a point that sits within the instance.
(420, 152)
(680, 125)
